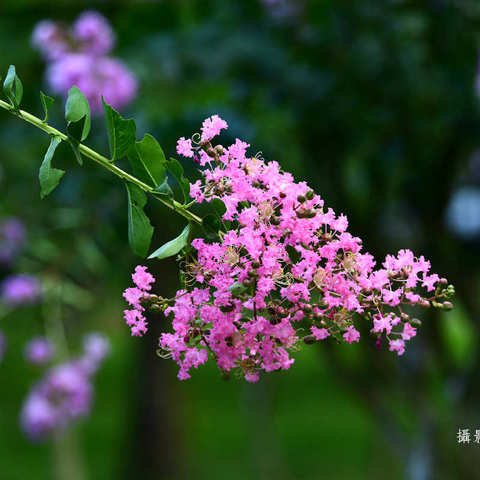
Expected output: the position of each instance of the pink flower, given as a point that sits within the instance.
(319, 333)
(252, 377)
(381, 323)
(134, 318)
(408, 332)
(238, 149)
(429, 281)
(392, 297)
(412, 297)
(397, 346)
(184, 147)
(139, 328)
(212, 126)
(133, 295)
(351, 335)
(142, 279)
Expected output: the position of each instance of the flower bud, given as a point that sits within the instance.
(447, 305)
(415, 321)
(282, 195)
(301, 199)
(196, 332)
(310, 195)
(309, 339)
(255, 264)
(155, 308)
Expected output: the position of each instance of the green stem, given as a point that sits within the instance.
(103, 161)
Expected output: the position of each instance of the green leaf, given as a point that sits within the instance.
(77, 114)
(212, 224)
(49, 177)
(236, 287)
(78, 156)
(140, 230)
(148, 161)
(293, 254)
(121, 133)
(164, 189)
(176, 169)
(13, 88)
(47, 102)
(173, 246)
(218, 206)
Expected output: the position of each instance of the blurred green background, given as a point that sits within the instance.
(374, 103)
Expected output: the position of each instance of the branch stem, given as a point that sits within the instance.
(103, 161)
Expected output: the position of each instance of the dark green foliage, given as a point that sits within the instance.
(212, 224)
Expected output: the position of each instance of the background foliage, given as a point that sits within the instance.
(374, 103)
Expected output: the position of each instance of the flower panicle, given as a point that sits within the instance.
(285, 271)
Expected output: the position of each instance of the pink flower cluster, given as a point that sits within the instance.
(284, 270)
(134, 296)
(79, 56)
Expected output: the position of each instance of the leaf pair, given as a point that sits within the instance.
(77, 114)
